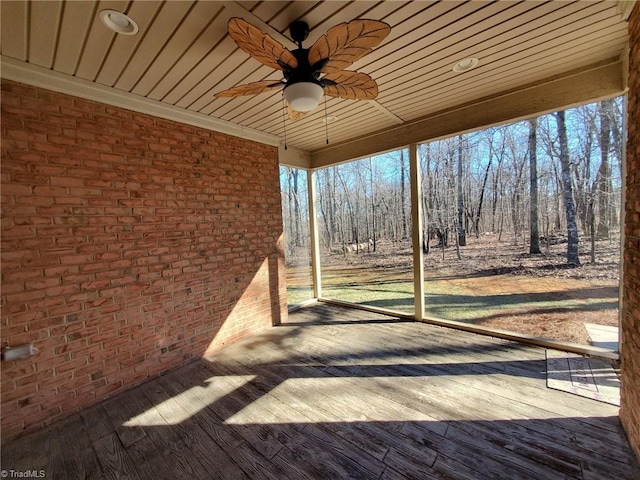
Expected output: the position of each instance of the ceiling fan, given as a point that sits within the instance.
(311, 72)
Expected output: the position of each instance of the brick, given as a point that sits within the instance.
(630, 324)
(108, 221)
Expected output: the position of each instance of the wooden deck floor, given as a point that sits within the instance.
(339, 393)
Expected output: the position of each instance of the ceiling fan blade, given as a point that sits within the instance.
(251, 88)
(346, 43)
(351, 85)
(260, 45)
(295, 114)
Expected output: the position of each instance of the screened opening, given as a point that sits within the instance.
(295, 215)
(364, 219)
(520, 225)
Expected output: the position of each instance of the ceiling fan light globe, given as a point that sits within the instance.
(303, 96)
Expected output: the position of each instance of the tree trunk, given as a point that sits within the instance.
(350, 210)
(592, 231)
(373, 206)
(567, 191)
(603, 177)
(534, 234)
(296, 207)
(427, 201)
(402, 195)
(326, 201)
(497, 189)
(462, 237)
(478, 214)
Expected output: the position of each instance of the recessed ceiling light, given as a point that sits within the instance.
(466, 64)
(329, 119)
(118, 22)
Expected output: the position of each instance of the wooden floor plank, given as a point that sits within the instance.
(120, 412)
(307, 395)
(225, 405)
(598, 464)
(47, 454)
(342, 393)
(149, 460)
(225, 436)
(519, 383)
(81, 461)
(97, 421)
(243, 453)
(173, 444)
(305, 347)
(114, 460)
(205, 451)
(258, 467)
(319, 409)
(19, 454)
(550, 400)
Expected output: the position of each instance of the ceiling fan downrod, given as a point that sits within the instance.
(299, 32)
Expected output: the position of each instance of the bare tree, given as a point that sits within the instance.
(403, 182)
(534, 234)
(497, 186)
(462, 236)
(476, 183)
(374, 208)
(295, 173)
(583, 193)
(327, 204)
(567, 191)
(515, 181)
(477, 213)
(427, 196)
(603, 185)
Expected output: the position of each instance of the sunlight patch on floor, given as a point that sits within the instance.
(336, 400)
(185, 405)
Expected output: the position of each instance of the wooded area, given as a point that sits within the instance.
(530, 183)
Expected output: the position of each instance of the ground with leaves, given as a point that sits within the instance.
(496, 283)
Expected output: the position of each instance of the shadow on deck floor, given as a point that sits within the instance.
(341, 393)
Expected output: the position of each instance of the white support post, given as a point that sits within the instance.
(416, 232)
(313, 233)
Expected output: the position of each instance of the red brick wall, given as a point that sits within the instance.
(130, 245)
(630, 349)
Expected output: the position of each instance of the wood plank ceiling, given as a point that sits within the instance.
(182, 54)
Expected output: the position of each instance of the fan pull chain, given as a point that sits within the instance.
(284, 121)
(326, 120)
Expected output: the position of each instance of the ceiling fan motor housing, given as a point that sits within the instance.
(304, 72)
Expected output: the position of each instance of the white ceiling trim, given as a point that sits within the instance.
(388, 113)
(36, 76)
(237, 10)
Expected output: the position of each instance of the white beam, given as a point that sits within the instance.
(316, 274)
(599, 81)
(416, 231)
(294, 157)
